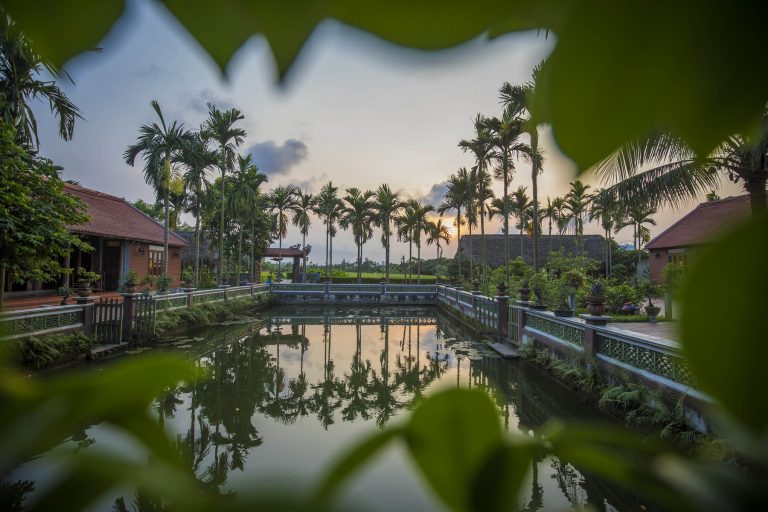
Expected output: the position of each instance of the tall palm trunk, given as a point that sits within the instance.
(327, 245)
(418, 262)
(471, 259)
(482, 240)
(330, 257)
(535, 192)
(359, 261)
(410, 258)
(197, 240)
(458, 243)
(166, 209)
(505, 202)
(221, 228)
(280, 249)
(239, 255)
(254, 277)
(304, 258)
(386, 247)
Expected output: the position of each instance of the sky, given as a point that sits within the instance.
(356, 111)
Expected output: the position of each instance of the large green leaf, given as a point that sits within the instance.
(725, 295)
(61, 30)
(450, 437)
(619, 69)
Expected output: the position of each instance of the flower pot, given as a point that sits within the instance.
(83, 288)
(652, 312)
(525, 294)
(596, 305)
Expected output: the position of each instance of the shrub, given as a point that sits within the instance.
(46, 351)
(618, 295)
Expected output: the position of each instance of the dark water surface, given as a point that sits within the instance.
(292, 388)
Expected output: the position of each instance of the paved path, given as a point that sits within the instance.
(49, 300)
(666, 330)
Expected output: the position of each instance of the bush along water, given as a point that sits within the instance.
(637, 405)
(53, 350)
(207, 313)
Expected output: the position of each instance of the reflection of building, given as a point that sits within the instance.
(123, 238)
(679, 241)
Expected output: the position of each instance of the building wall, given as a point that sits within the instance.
(140, 262)
(657, 260)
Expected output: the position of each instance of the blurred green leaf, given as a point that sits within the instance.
(497, 484)
(62, 30)
(619, 69)
(450, 436)
(727, 352)
(352, 461)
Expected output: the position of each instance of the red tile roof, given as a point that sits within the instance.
(285, 252)
(703, 223)
(114, 217)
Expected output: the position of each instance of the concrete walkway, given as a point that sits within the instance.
(665, 330)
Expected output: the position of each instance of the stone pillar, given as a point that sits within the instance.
(590, 340)
(383, 290)
(327, 287)
(88, 314)
(503, 301)
(129, 307)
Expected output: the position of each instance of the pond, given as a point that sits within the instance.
(290, 389)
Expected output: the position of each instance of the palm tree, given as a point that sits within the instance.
(575, 207)
(159, 143)
(603, 210)
(304, 206)
(246, 200)
(330, 208)
(386, 204)
(197, 158)
(414, 222)
(20, 67)
(358, 216)
(482, 149)
(637, 216)
(518, 100)
(520, 204)
(283, 201)
(438, 232)
(551, 213)
(456, 199)
(505, 133)
(677, 173)
(219, 127)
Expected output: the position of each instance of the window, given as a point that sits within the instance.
(678, 256)
(155, 260)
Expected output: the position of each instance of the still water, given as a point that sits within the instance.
(292, 388)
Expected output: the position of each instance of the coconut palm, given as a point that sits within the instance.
(198, 159)
(438, 232)
(304, 206)
(505, 135)
(248, 202)
(159, 143)
(386, 204)
(282, 201)
(674, 173)
(456, 199)
(330, 207)
(518, 100)
(220, 128)
(358, 215)
(20, 84)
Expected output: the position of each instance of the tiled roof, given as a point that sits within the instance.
(285, 252)
(703, 223)
(114, 217)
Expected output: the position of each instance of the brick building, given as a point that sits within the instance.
(678, 243)
(123, 239)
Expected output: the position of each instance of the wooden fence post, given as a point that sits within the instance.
(88, 318)
(129, 306)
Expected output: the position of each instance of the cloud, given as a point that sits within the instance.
(198, 102)
(435, 195)
(271, 158)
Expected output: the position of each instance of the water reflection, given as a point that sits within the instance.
(287, 393)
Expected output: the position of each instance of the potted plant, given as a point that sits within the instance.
(538, 284)
(596, 298)
(649, 290)
(130, 279)
(84, 280)
(164, 283)
(147, 282)
(187, 277)
(559, 292)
